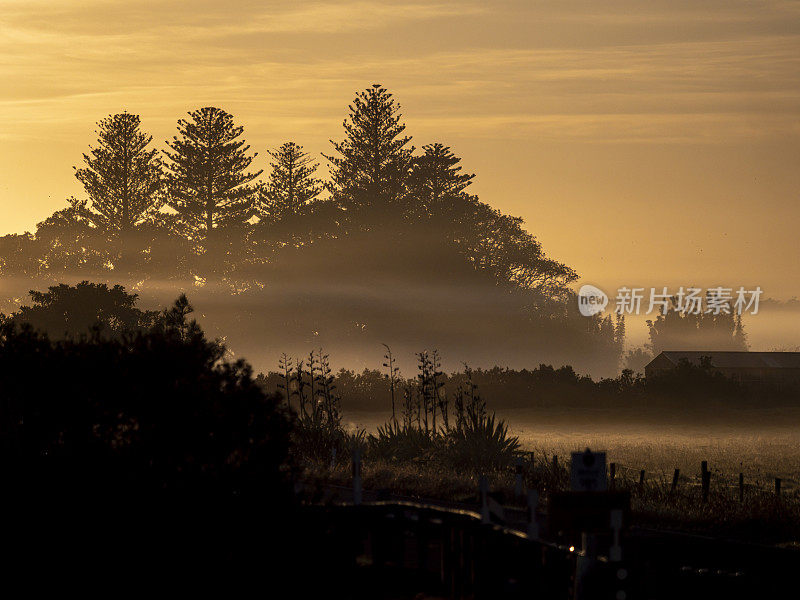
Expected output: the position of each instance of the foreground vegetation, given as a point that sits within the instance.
(102, 420)
(435, 446)
(140, 455)
(466, 436)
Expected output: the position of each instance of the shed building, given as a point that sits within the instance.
(771, 367)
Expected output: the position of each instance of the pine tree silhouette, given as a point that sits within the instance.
(207, 173)
(122, 177)
(436, 180)
(374, 161)
(291, 186)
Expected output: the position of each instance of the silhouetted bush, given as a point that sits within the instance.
(394, 442)
(147, 450)
(480, 444)
(157, 411)
(74, 311)
(466, 438)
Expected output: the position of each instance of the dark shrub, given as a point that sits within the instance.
(150, 447)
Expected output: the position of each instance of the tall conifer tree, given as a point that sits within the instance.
(373, 161)
(122, 177)
(208, 177)
(292, 184)
(436, 178)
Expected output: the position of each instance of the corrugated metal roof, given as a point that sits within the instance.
(722, 360)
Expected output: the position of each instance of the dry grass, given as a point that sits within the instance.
(760, 517)
(761, 454)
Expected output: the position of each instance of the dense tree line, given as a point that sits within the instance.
(689, 389)
(391, 219)
(688, 331)
(202, 185)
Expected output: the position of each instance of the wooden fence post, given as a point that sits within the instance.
(777, 487)
(483, 483)
(641, 478)
(675, 476)
(555, 463)
(741, 487)
(705, 479)
(612, 474)
(518, 483)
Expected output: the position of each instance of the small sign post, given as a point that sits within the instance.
(518, 481)
(588, 506)
(588, 472)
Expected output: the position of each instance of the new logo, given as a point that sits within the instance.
(591, 300)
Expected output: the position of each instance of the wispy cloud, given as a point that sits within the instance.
(203, 18)
(756, 76)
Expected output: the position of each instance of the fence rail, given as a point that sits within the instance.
(463, 551)
(449, 552)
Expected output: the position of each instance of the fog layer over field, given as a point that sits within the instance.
(352, 321)
(762, 444)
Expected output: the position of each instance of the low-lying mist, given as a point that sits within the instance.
(351, 320)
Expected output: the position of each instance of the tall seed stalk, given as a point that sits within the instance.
(392, 372)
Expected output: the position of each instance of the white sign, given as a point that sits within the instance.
(589, 472)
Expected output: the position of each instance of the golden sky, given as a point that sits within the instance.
(644, 142)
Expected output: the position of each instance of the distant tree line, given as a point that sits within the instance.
(678, 331)
(687, 389)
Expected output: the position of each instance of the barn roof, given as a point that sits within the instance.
(742, 360)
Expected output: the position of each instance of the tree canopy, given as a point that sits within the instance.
(292, 184)
(690, 331)
(122, 454)
(122, 178)
(209, 184)
(370, 166)
(435, 181)
(153, 411)
(375, 180)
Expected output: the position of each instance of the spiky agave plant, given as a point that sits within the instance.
(480, 443)
(395, 442)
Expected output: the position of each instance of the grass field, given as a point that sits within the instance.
(760, 445)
